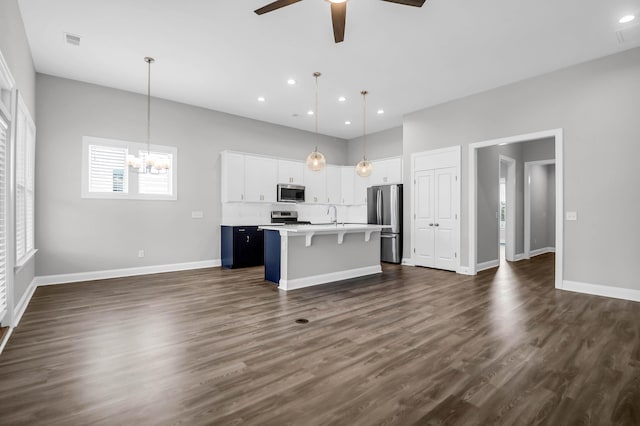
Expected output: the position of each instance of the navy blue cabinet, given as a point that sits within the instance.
(242, 246)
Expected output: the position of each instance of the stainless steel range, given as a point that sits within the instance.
(287, 218)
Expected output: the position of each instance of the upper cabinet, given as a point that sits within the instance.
(232, 177)
(315, 191)
(348, 174)
(291, 172)
(386, 172)
(334, 185)
(254, 178)
(261, 176)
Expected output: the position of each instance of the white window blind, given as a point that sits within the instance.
(107, 169)
(3, 219)
(106, 173)
(25, 194)
(157, 184)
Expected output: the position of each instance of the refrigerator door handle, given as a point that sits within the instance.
(379, 207)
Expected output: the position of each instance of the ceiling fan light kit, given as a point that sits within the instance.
(338, 12)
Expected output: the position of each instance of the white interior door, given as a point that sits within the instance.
(445, 217)
(424, 221)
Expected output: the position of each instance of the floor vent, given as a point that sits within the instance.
(302, 321)
(72, 39)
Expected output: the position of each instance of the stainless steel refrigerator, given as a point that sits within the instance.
(384, 207)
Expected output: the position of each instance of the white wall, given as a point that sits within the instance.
(593, 102)
(15, 49)
(81, 235)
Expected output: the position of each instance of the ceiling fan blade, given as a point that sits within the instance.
(339, 18)
(275, 5)
(416, 3)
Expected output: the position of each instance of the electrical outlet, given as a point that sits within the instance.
(572, 215)
(197, 214)
(140, 253)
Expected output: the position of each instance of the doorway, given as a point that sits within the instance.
(557, 136)
(507, 208)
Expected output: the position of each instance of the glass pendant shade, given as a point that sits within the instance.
(364, 168)
(316, 161)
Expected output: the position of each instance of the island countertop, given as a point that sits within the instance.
(340, 230)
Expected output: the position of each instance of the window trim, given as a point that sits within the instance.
(132, 181)
(29, 157)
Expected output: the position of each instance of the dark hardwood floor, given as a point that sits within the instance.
(410, 346)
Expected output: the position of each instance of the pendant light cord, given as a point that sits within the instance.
(316, 75)
(149, 60)
(364, 124)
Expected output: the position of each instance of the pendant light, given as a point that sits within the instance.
(146, 163)
(316, 160)
(364, 167)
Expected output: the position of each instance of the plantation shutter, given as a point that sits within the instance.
(3, 219)
(156, 184)
(21, 196)
(107, 169)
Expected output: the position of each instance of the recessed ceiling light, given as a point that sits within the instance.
(347, 122)
(380, 111)
(627, 18)
(261, 99)
(309, 112)
(291, 82)
(342, 99)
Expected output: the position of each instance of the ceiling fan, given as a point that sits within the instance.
(338, 12)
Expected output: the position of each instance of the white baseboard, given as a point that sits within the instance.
(407, 261)
(4, 341)
(327, 278)
(487, 265)
(518, 257)
(464, 270)
(126, 272)
(602, 290)
(540, 251)
(18, 311)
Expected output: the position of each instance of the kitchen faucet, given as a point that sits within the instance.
(335, 210)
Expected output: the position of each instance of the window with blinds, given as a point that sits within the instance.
(106, 174)
(158, 184)
(107, 169)
(3, 218)
(25, 183)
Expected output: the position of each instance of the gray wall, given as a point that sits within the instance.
(593, 102)
(79, 235)
(539, 207)
(385, 144)
(489, 194)
(551, 205)
(15, 49)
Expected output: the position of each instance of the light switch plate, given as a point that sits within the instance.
(572, 215)
(197, 214)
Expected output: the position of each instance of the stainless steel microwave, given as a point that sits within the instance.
(288, 193)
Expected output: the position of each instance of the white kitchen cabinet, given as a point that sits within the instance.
(315, 183)
(348, 173)
(291, 172)
(232, 177)
(334, 185)
(261, 176)
(360, 189)
(386, 171)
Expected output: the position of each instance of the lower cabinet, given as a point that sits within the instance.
(242, 246)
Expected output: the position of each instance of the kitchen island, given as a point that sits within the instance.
(298, 256)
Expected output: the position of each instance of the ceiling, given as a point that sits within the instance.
(218, 54)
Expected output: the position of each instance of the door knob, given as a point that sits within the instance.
(437, 224)
(431, 224)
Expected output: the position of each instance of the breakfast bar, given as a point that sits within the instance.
(298, 256)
